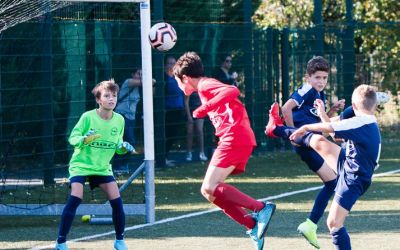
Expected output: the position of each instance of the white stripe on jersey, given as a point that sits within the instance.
(304, 89)
(354, 122)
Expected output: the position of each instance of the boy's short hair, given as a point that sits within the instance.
(317, 63)
(189, 64)
(364, 97)
(109, 85)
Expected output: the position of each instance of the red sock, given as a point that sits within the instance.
(227, 193)
(236, 213)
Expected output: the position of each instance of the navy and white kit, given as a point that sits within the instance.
(357, 162)
(303, 114)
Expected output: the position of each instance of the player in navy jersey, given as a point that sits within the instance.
(354, 165)
(299, 110)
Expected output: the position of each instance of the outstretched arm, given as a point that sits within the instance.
(316, 127)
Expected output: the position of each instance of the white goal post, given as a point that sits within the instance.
(148, 209)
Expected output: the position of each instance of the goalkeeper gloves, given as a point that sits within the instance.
(126, 147)
(90, 136)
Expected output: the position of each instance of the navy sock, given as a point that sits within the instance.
(341, 239)
(67, 217)
(118, 216)
(304, 140)
(322, 200)
(283, 131)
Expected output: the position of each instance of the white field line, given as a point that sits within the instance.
(274, 197)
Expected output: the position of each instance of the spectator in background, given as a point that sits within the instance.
(222, 73)
(174, 108)
(128, 99)
(192, 102)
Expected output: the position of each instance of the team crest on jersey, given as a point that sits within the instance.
(114, 131)
(314, 112)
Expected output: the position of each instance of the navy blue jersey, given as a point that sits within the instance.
(363, 145)
(347, 113)
(305, 113)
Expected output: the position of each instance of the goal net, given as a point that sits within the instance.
(52, 54)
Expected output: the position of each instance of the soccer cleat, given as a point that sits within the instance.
(203, 157)
(258, 243)
(120, 245)
(189, 156)
(61, 246)
(169, 163)
(263, 217)
(382, 98)
(274, 120)
(309, 231)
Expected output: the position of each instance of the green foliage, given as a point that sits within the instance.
(279, 14)
(376, 32)
(380, 40)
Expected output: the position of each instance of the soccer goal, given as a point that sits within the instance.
(16, 12)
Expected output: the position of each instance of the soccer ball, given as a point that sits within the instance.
(382, 98)
(162, 36)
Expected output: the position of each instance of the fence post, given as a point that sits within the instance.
(319, 29)
(285, 64)
(48, 116)
(159, 104)
(248, 59)
(348, 69)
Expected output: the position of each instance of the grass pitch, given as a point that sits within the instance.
(373, 223)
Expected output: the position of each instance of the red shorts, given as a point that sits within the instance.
(227, 156)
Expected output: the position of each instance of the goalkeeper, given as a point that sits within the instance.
(96, 138)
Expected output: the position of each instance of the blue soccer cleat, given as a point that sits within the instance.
(263, 218)
(258, 243)
(120, 245)
(61, 246)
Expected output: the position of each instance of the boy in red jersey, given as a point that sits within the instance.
(236, 142)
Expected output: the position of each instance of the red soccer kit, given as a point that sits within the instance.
(231, 122)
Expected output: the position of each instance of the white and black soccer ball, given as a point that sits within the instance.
(382, 98)
(162, 36)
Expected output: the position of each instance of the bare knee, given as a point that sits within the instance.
(333, 224)
(316, 141)
(207, 191)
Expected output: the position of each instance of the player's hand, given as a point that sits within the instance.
(338, 105)
(297, 134)
(319, 106)
(126, 147)
(90, 136)
(200, 112)
(234, 75)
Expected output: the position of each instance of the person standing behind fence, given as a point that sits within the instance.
(128, 99)
(96, 138)
(223, 74)
(192, 102)
(174, 108)
(237, 141)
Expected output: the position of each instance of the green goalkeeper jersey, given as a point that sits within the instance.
(94, 158)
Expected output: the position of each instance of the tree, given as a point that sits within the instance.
(377, 29)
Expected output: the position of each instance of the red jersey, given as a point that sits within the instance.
(226, 112)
